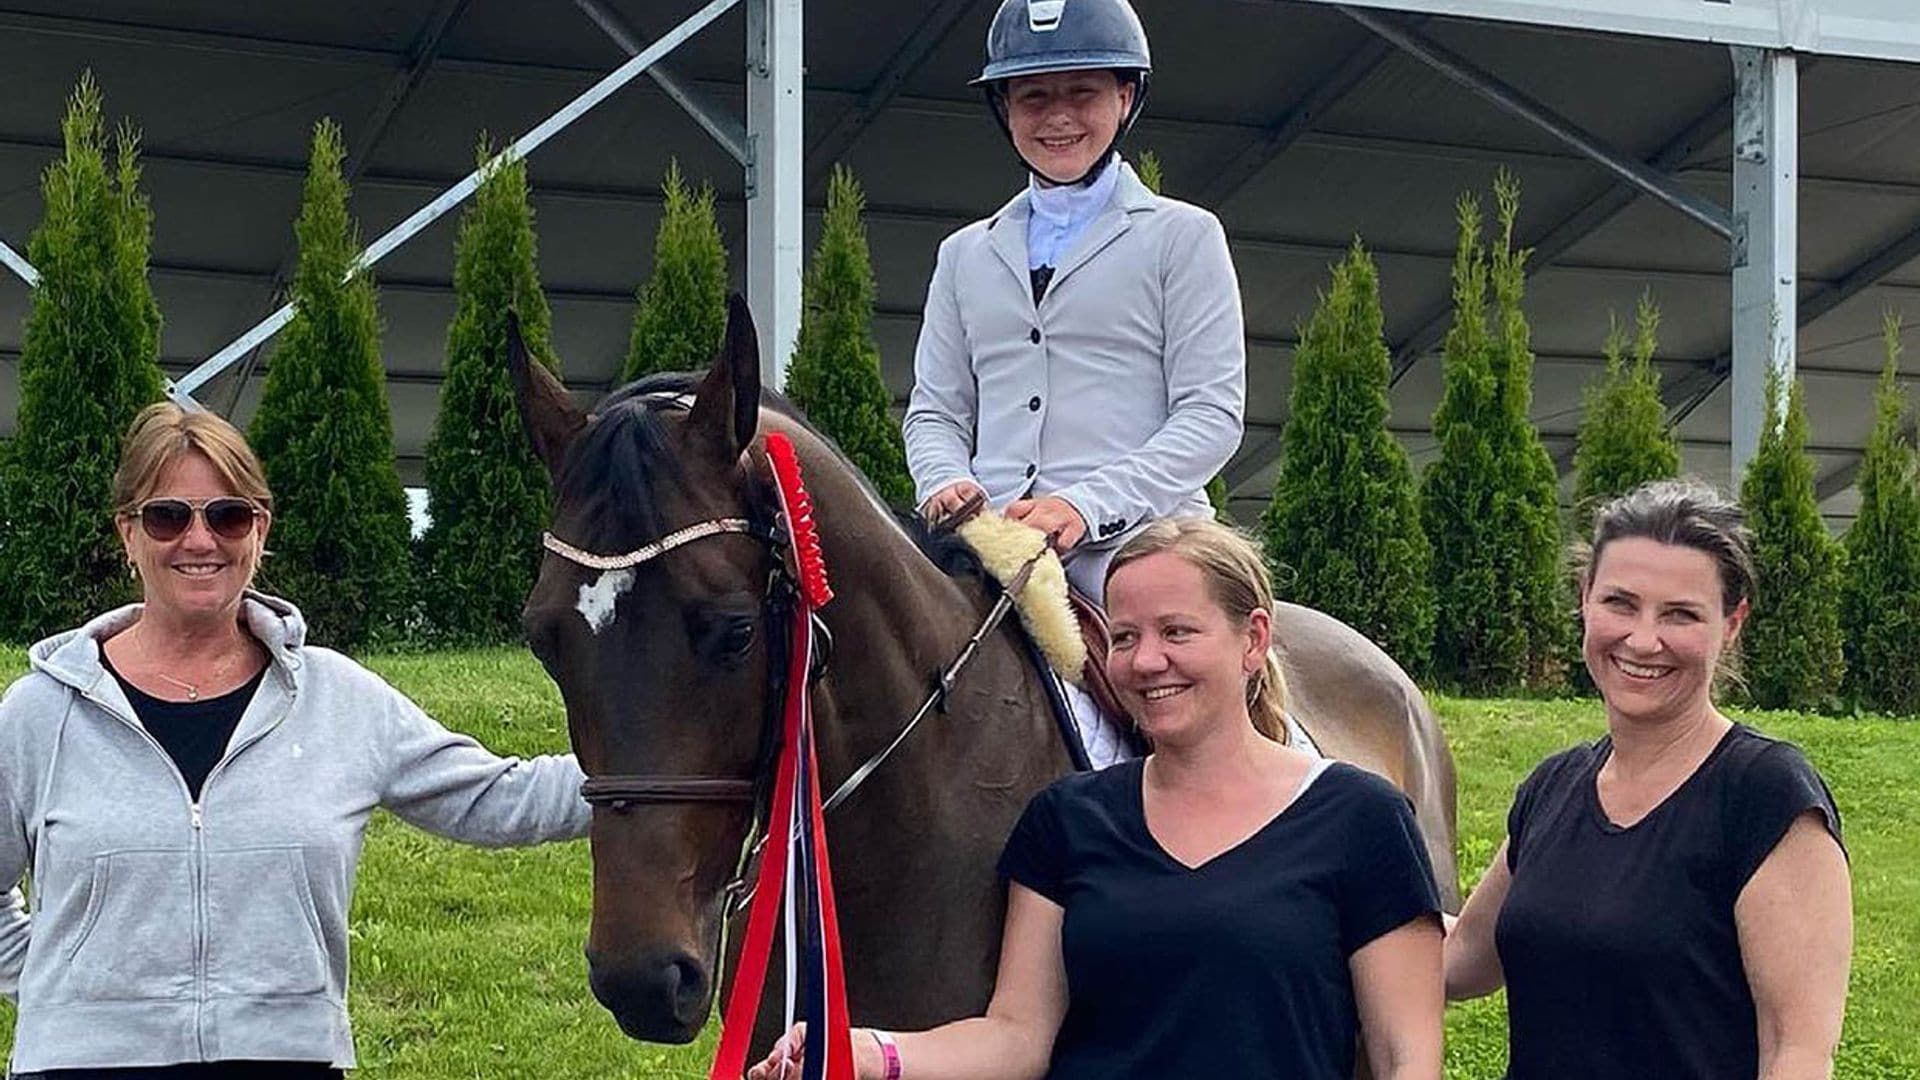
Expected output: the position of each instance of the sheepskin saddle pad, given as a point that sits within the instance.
(1004, 546)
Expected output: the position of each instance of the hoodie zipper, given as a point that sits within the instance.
(197, 819)
(196, 850)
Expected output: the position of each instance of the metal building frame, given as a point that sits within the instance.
(769, 146)
(1766, 37)
(1762, 228)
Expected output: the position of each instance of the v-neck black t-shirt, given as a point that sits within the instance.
(1237, 967)
(193, 733)
(1618, 944)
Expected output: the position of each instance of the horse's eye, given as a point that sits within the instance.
(738, 637)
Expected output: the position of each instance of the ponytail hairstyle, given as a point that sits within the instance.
(1236, 577)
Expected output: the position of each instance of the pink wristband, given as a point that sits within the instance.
(889, 1054)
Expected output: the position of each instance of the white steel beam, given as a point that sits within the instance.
(455, 195)
(18, 263)
(775, 77)
(1513, 100)
(1569, 231)
(725, 130)
(1766, 166)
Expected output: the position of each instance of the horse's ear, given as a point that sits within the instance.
(726, 409)
(551, 418)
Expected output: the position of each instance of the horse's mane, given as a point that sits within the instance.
(623, 456)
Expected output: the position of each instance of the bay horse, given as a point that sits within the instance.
(667, 666)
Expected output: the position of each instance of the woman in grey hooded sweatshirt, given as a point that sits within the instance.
(187, 784)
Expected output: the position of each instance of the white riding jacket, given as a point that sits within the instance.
(1122, 391)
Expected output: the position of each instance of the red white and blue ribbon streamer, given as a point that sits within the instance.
(795, 885)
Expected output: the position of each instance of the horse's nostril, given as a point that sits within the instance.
(690, 989)
(661, 998)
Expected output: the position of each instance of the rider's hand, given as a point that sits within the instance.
(789, 1053)
(1050, 515)
(950, 498)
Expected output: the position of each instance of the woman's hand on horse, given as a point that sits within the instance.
(949, 499)
(1052, 515)
(789, 1053)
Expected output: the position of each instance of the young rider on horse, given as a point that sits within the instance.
(1081, 362)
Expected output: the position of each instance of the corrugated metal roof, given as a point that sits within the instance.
(226, 95)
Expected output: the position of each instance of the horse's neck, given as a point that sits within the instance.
(897, 620)
(935, 815)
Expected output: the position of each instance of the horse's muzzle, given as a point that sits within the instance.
(661, 997)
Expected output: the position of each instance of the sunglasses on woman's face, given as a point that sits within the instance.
(228, 517)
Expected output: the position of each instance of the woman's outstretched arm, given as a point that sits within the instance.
(1014, 1040)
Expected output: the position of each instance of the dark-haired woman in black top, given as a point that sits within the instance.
(1672, 900)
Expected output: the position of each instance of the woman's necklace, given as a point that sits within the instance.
(193, 689)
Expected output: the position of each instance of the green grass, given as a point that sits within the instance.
(468, 963)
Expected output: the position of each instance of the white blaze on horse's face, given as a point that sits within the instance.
(597, 600)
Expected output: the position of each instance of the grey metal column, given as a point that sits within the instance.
(1766, 189)
(774, 158)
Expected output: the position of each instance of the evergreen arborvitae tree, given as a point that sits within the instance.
(1148, 170)
(1218, 497)
(325, 435)
(1624, 438)
(1534, 528)
(1344, 517)
(683, 306)
(1793, 651)
(1489, 501)
(1881, 603)
(488, 497)
(1479, 640)
(835, 374)
(1624, 441)
(87, 365)
(1476, 643)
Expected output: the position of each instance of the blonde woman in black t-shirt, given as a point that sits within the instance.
(1672, 900)
(1228, 907)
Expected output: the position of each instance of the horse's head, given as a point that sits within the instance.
(664, 665)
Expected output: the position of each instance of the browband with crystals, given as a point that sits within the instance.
(656, 549)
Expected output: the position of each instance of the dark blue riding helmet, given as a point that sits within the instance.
(1036, 37)
(1040, 37)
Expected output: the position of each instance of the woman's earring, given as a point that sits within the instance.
(133, 570)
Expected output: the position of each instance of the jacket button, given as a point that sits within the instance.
(1029, 472)
(1034, 335)
(1033, 403)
